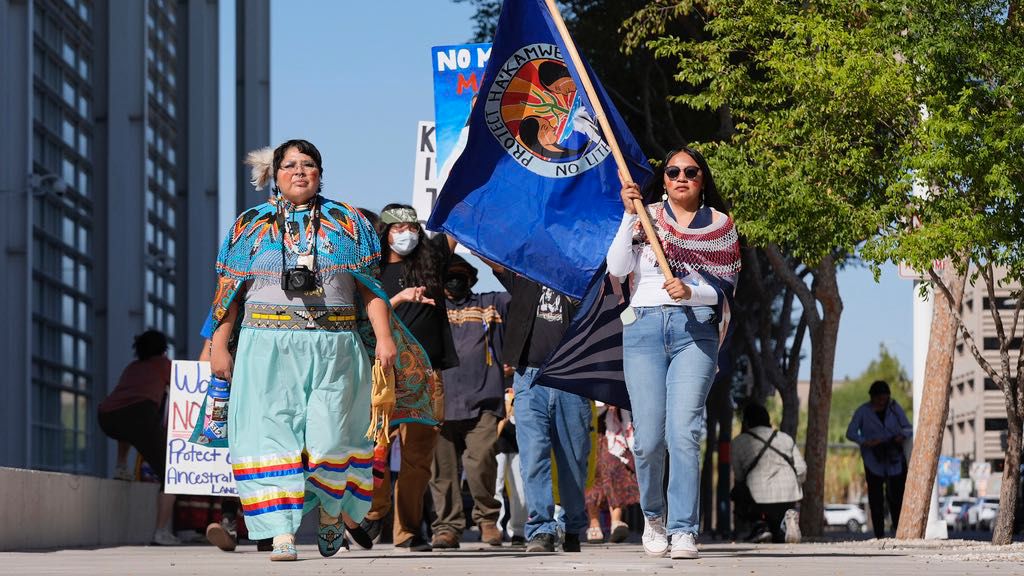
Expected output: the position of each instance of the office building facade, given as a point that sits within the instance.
(110, 180)
(977, 423)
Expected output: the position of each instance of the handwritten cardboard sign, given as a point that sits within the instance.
(192, 468)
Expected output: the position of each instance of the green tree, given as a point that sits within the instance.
(966, 152)
(820, 102)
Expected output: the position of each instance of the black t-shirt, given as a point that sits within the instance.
(428, 324)
(547, 327)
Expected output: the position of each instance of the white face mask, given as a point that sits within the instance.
(405, 242)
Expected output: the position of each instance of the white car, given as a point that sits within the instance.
(849, 515)
(950, 506)
(983, 514)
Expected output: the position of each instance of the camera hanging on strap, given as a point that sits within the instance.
(301, 277)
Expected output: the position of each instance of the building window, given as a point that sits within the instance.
(992, 343)
(990, 384)
(1005, 303)
(996, 424)
(63, 383)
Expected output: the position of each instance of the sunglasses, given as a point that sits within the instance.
(690, 172)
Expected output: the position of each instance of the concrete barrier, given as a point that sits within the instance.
(46, 510)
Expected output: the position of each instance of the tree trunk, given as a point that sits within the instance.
(720, 405)
(1002, 532)
(707, 471)
(790, 409)
(824, 333)
(933, 411)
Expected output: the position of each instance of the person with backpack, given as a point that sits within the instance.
(769, 474)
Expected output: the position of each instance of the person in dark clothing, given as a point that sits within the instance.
(880, 427)
(412, 274)
(473, 407)
(133, 414)
(547, 420)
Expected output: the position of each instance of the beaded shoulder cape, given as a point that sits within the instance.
(346, 242)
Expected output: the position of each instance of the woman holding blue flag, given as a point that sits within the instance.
(299, 269)
(671, 337)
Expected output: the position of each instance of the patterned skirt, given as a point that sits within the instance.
(614, 483)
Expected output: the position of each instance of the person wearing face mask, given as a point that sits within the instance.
(412, 274)
(473, 402)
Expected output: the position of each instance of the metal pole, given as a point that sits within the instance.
(29, 225)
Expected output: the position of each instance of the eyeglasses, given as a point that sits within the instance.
(690, 172)
(294, 167)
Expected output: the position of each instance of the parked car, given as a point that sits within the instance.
(851, 516)
(950, 506)
(983, 514)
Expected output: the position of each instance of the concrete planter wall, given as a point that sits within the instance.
(41, 510)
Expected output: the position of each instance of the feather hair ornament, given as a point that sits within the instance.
(262, 164)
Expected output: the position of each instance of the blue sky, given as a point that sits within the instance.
(355, 77)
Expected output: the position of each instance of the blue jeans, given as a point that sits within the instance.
(549, 420)
(669, 357)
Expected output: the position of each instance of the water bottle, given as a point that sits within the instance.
(217, 408)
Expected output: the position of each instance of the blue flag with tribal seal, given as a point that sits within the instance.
(537, 188)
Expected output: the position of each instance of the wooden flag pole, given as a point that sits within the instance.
(606, 128)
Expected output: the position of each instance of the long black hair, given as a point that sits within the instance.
(422, 266)
(709, 192)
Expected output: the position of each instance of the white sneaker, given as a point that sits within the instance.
(164, 537)
(683, 547)
(655, 539)
(791, 526)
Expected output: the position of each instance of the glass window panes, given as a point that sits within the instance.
(83, 355)
(67, 350)
(68, 231)
(67, 171)
(83, 183)
(67, 270)
(68, 92)
(68, 134)
(67, 311)
(68, 53)
(82, 317)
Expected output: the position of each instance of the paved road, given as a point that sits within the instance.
(953, 558)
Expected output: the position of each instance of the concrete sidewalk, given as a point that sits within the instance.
(889, 557)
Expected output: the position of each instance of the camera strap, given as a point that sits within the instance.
(311, 232)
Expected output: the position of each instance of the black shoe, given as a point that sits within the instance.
(571, 543)
(415, 544)
(541, 543)
(518, 541)
(361, 536)
(265, 545)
